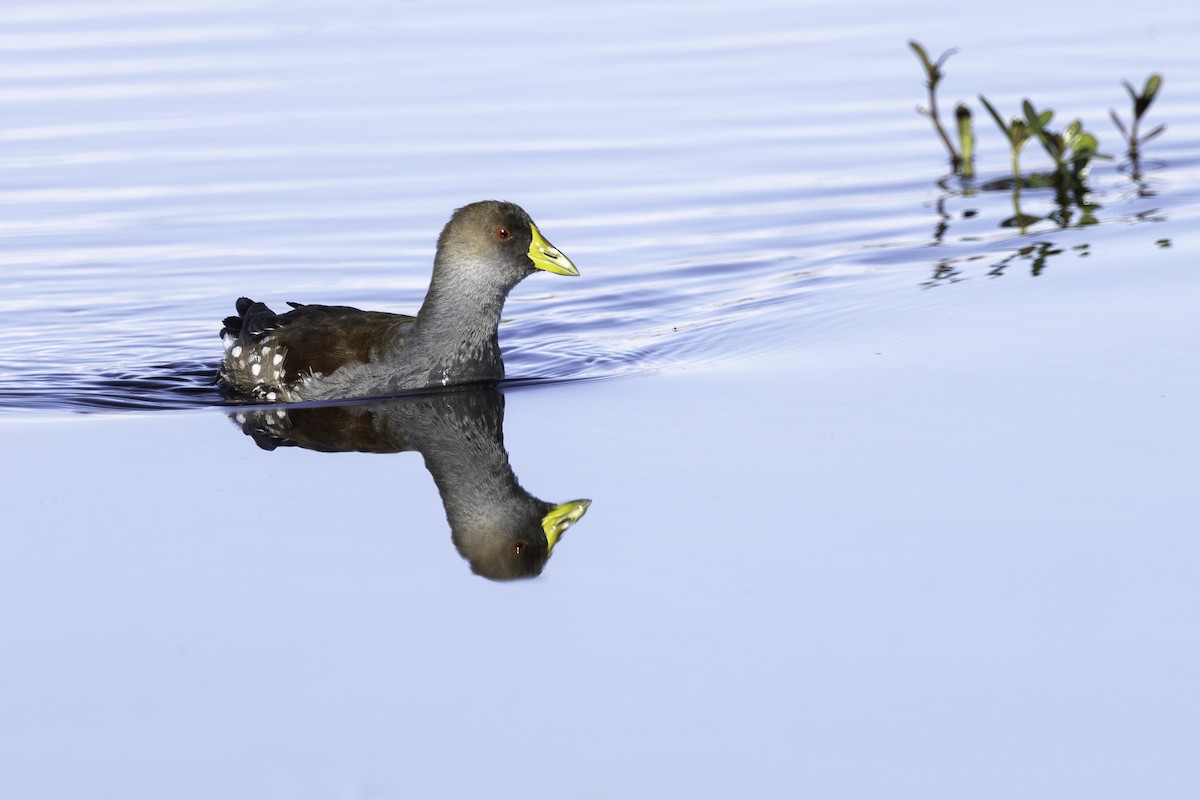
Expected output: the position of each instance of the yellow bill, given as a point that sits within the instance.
(546, 256)
(556, 522)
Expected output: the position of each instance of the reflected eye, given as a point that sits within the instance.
(518, 547)
(503, 233)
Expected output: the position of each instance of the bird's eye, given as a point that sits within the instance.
(503, 233)
(518, 547)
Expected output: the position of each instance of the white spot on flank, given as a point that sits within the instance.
(236, 352)
(255, 369)
(277, 360)
(271, 396)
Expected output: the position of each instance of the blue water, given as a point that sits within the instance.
(721, 189)
(888, 499)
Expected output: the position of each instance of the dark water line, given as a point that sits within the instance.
(176, 387)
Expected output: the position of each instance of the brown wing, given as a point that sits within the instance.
(323, 338)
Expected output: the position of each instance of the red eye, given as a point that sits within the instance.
(518, 547)
(503, 233)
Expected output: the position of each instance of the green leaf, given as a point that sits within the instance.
(1084, 149)
(1029, 111)
(1082, 154)
(933, 69)
(1052, 142)
(945, 57)
(1142, 103)
(1120, 125)
(1037, 121)
(1153, 84)
(920, 51)
(996, 116)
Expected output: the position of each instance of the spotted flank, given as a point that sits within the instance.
(254, 360)
(257, 367)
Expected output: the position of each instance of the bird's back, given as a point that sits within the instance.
(276, 354)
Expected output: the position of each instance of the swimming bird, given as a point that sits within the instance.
(318, 352)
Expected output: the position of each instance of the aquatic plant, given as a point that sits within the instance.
(1018, 132)
(933, 76)
(1071, 149)
(966, 138)
(1141, 104)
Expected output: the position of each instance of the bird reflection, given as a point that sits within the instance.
(502, 530)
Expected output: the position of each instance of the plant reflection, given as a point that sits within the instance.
(499, 528)
(1072, 207)
(1036, 253)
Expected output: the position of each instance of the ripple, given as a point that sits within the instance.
(720, 196)
(52, 12)
(133, 37)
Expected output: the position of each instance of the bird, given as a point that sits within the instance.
(324, 352)
(502, 530)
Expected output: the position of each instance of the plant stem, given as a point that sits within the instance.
(955, 159)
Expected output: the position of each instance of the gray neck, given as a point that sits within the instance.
(457, 325)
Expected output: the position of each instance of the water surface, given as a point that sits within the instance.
(888, 499)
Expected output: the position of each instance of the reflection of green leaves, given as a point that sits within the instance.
(1086, 216)
(1020, 220)
(1037, 254)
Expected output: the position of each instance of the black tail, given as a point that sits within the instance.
(252, 319)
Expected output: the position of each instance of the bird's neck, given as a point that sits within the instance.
(459, 320)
